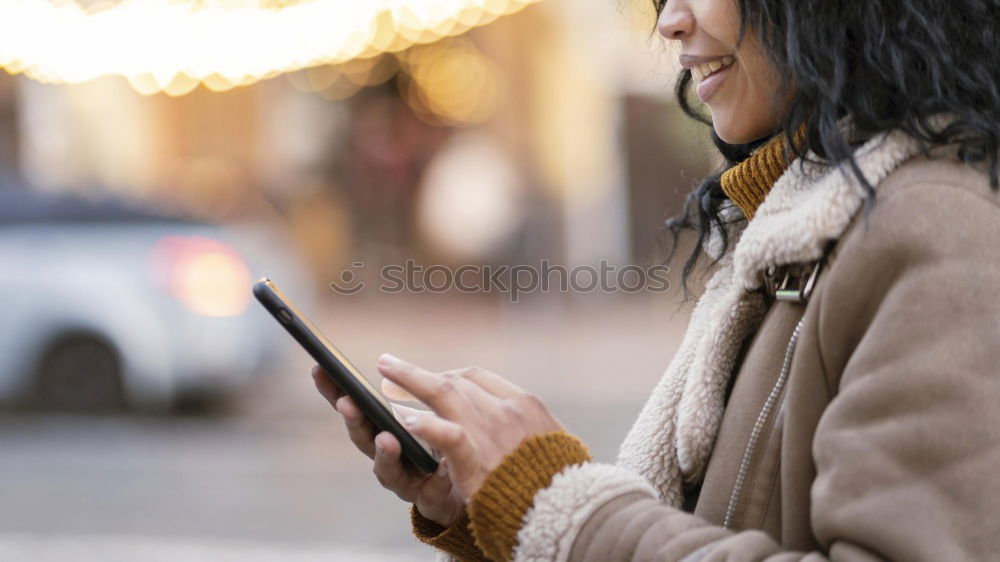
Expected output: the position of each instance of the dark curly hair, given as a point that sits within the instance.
(888, 64)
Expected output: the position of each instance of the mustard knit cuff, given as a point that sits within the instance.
(456, 540)
(498, 508)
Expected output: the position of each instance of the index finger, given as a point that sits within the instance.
(444, 394)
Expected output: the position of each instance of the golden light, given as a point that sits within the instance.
(172, 46)
(336, 82)
(451, 83)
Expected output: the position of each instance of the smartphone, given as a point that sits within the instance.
(346, 376)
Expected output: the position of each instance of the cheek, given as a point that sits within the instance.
(750, 109)
(719, 19)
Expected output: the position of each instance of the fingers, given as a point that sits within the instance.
(440, 392)
(447, 437)
(389, 471)
(403, 412)
(359, 428)
(393, 475)
(395, 392)
(438, 485)
(490, 382)
(325, 386)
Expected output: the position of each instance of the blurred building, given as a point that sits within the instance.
(519, 131)
(8, 124)
(547, 133)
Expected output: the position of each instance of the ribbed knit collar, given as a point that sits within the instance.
(747, 183)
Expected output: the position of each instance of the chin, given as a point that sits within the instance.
(728, 131)
(734, 130)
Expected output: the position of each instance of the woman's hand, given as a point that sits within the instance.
(433, 495)
(481, 417)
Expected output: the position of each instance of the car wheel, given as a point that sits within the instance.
(80, 374)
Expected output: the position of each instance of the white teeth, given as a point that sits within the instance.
(702, 71)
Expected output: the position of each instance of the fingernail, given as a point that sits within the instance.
(442, 469)
(411, 421)
(388, 359)
(395, 392)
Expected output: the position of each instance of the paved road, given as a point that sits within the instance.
(276, 478)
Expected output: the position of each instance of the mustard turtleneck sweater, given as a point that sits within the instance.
(747, 183)
(488, 530)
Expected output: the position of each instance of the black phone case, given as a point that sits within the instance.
(339, 371)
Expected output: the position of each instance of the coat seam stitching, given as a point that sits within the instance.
(776, 470)
(752, 481)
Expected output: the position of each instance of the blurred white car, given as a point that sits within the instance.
(103, 307)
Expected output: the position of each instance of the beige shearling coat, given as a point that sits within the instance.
(858, 420)
(860, 424)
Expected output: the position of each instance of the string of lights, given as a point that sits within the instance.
(172, 46)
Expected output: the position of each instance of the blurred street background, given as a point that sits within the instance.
(158, 156)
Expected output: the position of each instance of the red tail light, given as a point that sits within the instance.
(207, 276)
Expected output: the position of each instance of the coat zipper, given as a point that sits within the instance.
(758, 426)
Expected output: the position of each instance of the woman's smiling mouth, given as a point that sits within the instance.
(708, 74)
(705, 70)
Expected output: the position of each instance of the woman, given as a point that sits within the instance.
(835, 395)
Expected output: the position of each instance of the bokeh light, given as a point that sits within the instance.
(451, 83)
(172, 46)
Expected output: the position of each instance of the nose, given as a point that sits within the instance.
(676, 20)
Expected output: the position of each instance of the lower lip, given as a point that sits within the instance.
(707, 87)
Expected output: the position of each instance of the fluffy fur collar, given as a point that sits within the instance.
(809, 205)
